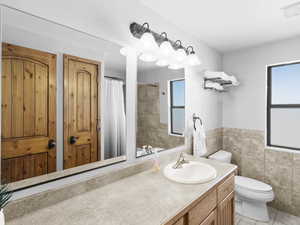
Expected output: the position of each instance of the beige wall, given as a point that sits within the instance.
(279, 169)
(214, 140)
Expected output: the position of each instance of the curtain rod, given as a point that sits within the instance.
(114, 78)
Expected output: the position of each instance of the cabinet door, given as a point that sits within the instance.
(180, 221)
(198, 214)
(226, 210)
(211, 219)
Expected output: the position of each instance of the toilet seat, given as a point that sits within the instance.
(252, 185)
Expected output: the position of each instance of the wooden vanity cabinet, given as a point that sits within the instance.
(216, 207)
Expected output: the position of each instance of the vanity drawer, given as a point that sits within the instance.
(197, 214)
(225, 188)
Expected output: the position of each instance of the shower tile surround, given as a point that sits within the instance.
(279, 169)
(150, 130)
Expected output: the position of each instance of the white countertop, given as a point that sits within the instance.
(147, 198)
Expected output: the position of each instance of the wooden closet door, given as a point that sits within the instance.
(81, 111)
(28, 113)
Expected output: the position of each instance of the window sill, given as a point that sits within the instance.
(176, 135)
(282, 149)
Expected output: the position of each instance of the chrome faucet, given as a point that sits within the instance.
(181, 160)
(147, 149)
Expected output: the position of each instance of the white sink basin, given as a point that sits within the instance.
(191, 173)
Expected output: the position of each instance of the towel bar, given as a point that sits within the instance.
(195, 118)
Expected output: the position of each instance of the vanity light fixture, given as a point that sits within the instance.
(169, 53)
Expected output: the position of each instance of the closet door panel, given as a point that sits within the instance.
(28, 113)
(81, 111)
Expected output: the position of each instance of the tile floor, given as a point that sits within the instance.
(277, 218)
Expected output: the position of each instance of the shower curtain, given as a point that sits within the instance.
(114, 118)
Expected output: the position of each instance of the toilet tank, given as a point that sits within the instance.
(221, 156)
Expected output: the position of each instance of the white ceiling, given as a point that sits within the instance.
(225, 25)
(228, 25)
(107, 19)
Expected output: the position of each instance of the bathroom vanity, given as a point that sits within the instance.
(146, 198)
(214, 207)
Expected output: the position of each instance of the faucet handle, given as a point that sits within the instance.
(181, 156)
(183, 160)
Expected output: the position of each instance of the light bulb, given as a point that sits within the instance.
(174, 66)
(147, 57)
(162, 62)
(147, 43)
(166, 49)
(125, 50)
(165, 54)
(192, 60)
(148, 47)
(180, 55)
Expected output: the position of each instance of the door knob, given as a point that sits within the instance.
(73, 140)
(51, 143)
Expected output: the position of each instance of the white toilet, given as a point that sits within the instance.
(251, 196)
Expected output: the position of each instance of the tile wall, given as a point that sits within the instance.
(279, 169)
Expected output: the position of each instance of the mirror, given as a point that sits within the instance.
(160, 108)
(63, 100)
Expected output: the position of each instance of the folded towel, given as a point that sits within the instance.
(216, 74)
(214, 85)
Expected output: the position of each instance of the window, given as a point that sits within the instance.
(283, 106)
(177, 107)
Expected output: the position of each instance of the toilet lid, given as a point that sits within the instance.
(251, 184)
